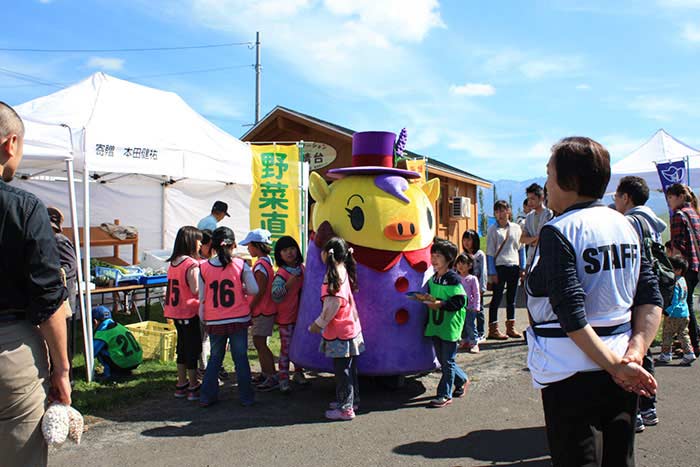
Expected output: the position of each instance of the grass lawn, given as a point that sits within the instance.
(149, 379)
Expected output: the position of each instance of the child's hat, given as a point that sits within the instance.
(101, 313)
(258, 236)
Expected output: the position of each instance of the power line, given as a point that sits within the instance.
(29, 78)
(141, 49)
(189, 72)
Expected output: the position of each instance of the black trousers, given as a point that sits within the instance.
(508, 277)
(590, 421)
(347, 388)
(646, 403)
(691, 280)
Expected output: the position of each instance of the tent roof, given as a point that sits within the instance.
(661, 147)
(121, 127)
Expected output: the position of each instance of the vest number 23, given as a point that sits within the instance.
(223, 293)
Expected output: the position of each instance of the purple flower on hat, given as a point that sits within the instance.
(400, 145)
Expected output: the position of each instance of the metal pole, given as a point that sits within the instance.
(257, 76)
(89, 357)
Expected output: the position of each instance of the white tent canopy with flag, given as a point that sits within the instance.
(150, 159)
(662, 147)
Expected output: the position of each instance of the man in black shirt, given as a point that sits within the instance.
(31, 314)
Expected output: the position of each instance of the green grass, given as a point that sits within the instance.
(149, 380)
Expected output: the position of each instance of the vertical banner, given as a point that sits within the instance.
(417, 165)
(275, 202)
(672, 172)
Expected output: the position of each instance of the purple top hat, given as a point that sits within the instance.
(372, 154)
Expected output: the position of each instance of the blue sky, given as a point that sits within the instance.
(485, 86)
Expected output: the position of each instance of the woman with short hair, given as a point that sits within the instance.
(594, 308)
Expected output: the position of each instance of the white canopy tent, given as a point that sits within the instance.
(150, 160)
(661, 147)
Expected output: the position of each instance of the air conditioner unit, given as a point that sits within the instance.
(461, 207)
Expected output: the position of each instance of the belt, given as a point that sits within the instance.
(602, 331)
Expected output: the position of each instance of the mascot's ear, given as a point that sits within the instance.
(318, 187)
(432, 189)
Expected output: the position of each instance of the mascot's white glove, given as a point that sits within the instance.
(60, 422)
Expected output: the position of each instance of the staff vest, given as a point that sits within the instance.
(345, 325)
(288, 308)
(180, 302)
(265, 306)
(447, 325)
(124, 350)
(223, 299)
(608, 260)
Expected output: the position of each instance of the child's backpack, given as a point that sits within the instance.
(660, 264)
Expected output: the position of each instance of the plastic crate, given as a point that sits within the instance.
(158, 340)
(157, 279)
(133, 276)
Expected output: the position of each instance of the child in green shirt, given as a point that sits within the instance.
(446, 302)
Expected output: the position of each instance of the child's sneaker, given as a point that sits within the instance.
(300, 379)
(284, 386)
(474, 348)
(181, 390)
(688, 359)
(270, 384)
(193, 393)
(639, 424)
(649, 417)
(465, 346)
(439, 402)
(461, 391)
(337, 414)
(481, 339)
(664, 358)
(334, 405)
(258, 379)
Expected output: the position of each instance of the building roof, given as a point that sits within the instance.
(432, 162)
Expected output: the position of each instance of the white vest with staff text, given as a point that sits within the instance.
(608, 260)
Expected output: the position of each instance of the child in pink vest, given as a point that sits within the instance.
(286, 292)
(226, 315)
(259, 245)
(182, 306)
(339, 326)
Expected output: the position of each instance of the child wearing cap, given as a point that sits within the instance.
(114, 346)
(263, 308)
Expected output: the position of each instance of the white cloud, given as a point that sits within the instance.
(364, 47)
(531, 65)
(679, 3)
(663, 108)
(106, 63)
(691, 32)
(45, 2)
(473, 89)
(620, 146)
(583, 87)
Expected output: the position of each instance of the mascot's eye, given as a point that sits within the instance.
(430, 218)
(357, 217)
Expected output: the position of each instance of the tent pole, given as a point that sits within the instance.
(89, 356)
(162, 216)
(76, 241)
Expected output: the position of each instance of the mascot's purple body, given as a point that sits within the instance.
(390, 224)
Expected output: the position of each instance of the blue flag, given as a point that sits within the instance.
(672, 172)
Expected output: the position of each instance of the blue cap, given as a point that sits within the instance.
(257, 235)
(101, 313)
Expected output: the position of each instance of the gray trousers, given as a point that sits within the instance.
(24, 380)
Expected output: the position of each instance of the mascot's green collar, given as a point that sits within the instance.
(379, 260)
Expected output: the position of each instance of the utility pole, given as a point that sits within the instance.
(257, 77)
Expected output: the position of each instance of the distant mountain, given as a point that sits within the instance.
(516, 189)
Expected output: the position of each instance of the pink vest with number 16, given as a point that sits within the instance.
(223, 297)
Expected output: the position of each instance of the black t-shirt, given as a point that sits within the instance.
(30, 281)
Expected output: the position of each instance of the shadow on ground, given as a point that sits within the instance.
(520, 446)
(305, 405)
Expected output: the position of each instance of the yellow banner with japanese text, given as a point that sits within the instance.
(275, 202)
(417, 165)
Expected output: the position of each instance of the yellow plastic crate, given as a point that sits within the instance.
(158, 340)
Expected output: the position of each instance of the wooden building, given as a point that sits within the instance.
(285, 125)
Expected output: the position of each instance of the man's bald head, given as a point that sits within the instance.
(10, 122)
